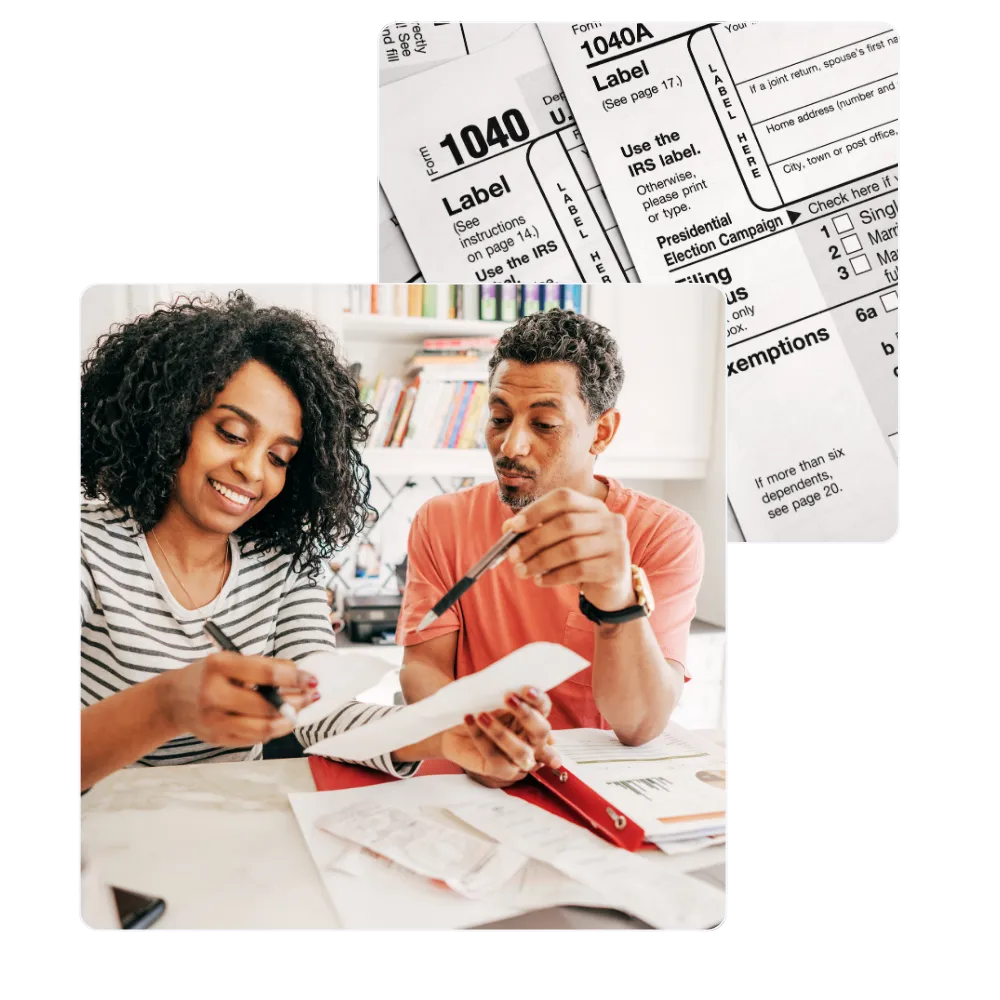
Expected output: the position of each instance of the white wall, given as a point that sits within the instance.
(705, 500)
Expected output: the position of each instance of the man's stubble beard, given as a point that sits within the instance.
(516, 501)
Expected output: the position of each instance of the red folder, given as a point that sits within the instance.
(557, 790)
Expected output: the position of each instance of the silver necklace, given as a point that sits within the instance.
(222, 581)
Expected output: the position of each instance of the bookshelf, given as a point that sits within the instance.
(408, 329)
(673, 446)
(476, 462)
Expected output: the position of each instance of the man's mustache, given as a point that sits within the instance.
(509, 465)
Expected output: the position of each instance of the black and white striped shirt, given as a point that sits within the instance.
(133, 628)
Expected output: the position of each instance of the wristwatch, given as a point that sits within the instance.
(642, 608)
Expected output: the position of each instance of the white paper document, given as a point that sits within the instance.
(341, 677)
(488, 177)
(762, 158)
(541, 664)
(470, 865)
(368, 891)
(631, 882)
(406, 48)
(674, 787)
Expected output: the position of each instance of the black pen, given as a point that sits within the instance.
(492, 558)
(269, 691)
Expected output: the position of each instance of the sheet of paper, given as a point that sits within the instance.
(762, 157)
(542, 664)
(674, 848)
(470, 865)
(341, 676)
(406, 48)
(483, 165)
(673, 786)
(632, 882)
(372, 892)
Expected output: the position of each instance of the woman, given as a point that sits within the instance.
(223, 442)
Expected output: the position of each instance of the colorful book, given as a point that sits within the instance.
(532, 300)
(445, 392)
(386, 407)
(470, 302)
(414, 300)
(508, 302)
(444, 431)
(468, 389)
(488, 302)
(422, 411)
(390, 427)
(456, 345)
(470, 426)
(373, 299)
(446, 303)
(430, 301)
(406, 408)
(573, 297)
(551, 296)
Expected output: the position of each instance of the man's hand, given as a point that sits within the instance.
(500, 748)
(573, 539)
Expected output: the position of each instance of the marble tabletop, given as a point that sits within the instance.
(220, 844)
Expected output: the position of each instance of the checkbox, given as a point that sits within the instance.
(890, 301)
(852, 244)
(860, 263)
(842, 223)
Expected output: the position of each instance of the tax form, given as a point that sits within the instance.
(489, 179)
(406, 48)
(762, 158)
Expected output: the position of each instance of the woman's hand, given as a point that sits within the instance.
(500, 748)
(212, 699)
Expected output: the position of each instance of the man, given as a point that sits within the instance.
(554, 380)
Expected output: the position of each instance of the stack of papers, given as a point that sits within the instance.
(446, 852)
(674, 787)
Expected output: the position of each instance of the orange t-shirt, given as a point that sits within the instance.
(502, 612)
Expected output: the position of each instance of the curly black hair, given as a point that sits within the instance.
(563, 335)
(146, 382)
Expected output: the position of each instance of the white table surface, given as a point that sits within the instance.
(220, 844)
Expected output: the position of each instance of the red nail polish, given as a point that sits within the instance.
(513, 701)
(484, 718)
(315, 696)
(313, 682)
(469, 720)
(534, 692)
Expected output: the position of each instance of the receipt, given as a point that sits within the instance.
(489, 179)
(542, 664)
(467, 864)
(762, 158)
(341, 677)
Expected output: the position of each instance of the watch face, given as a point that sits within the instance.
(643, 592)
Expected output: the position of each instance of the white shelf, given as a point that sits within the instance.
(409, 328)
(476, 462)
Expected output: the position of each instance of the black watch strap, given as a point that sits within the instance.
(595, 614)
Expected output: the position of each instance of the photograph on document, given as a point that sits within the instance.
(759, 157)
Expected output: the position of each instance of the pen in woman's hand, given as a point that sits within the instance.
(268, 691)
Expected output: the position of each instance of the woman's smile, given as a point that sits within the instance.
(234, 498)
